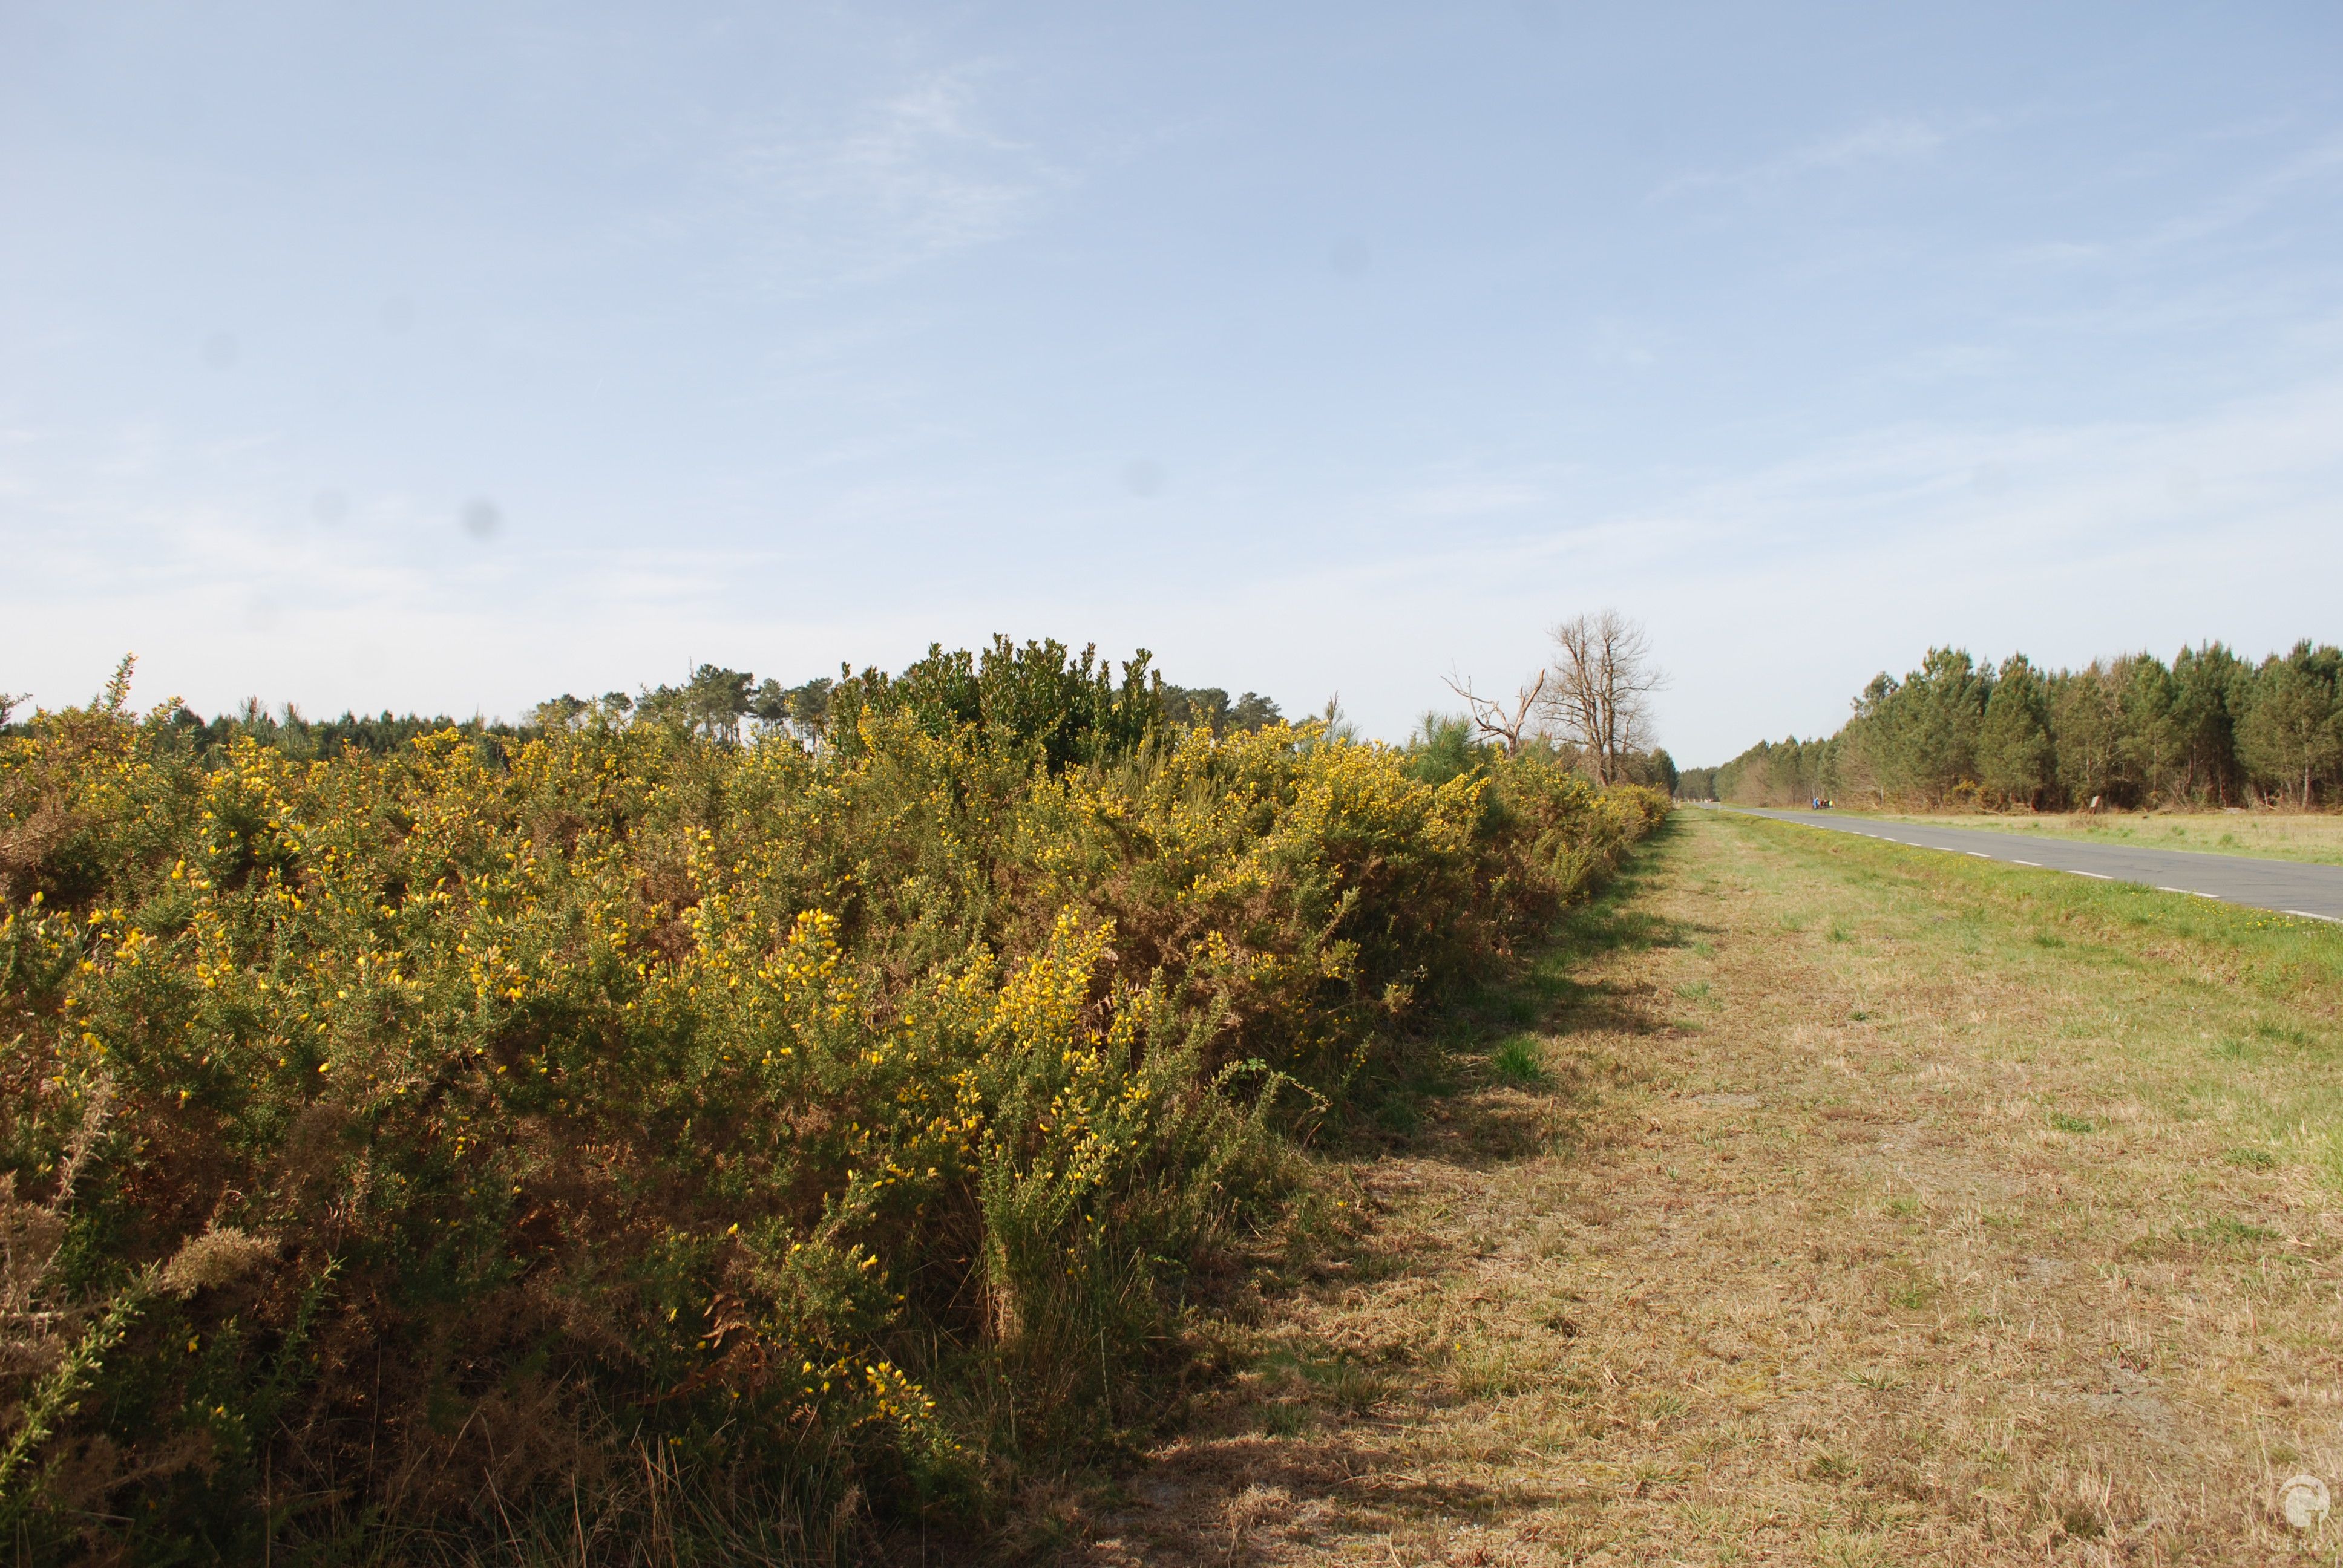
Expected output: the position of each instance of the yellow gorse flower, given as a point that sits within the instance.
(734, 1079)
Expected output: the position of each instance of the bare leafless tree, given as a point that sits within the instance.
(1601, 691)
(1495, 721)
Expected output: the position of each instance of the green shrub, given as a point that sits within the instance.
(629, 1128)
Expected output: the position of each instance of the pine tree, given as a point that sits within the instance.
(2290, 737)
(2016, 759)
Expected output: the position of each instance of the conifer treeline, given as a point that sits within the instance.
(2209, 728)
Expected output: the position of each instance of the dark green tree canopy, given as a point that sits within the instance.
(1039, 699)
(2206, 728)
(1187, 706)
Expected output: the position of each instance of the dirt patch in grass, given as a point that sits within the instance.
(1822, 1215)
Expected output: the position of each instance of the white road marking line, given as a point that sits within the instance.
(2095, 876)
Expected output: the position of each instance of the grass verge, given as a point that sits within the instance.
(2312, 837)
(1876, 1207)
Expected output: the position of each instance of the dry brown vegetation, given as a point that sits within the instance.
(1872, 1208)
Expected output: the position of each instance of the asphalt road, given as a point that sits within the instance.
(2288, 886)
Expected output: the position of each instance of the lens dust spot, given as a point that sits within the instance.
(221, 351)
(1143, 478)
(482, 520)
(1349, 256)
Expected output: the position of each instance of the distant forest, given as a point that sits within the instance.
(2209, 728)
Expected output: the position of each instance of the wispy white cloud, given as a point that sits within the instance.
(2291, 177)
(1882, 141)
(2321, 161)
(2059, 253)
(1778, 590)
(917, 172)
(1897, 140)
(1473, 497)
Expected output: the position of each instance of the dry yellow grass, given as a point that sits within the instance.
(1874, 1210)
(2313, 836)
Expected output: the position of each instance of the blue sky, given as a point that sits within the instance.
(451, 356)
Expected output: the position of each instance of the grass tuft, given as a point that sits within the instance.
(1519, 1059)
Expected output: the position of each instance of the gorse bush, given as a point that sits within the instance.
(668, 1147)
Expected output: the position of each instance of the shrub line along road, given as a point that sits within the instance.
(2288, 886)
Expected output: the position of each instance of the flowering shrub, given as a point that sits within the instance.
(391, 1147)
